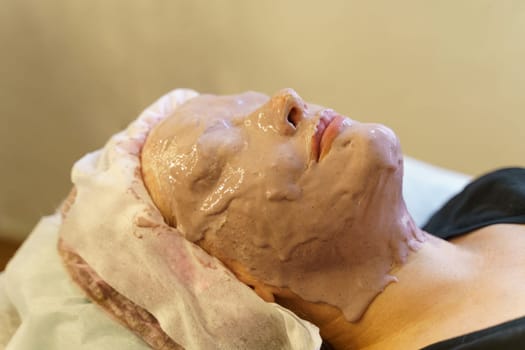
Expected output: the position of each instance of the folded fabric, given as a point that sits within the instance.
(53, 312)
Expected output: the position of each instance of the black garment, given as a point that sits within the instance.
(505, 336)
(495, 198)
(498, 197)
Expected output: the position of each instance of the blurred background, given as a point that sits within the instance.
(447, 76)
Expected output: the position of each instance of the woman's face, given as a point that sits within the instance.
(273, 181)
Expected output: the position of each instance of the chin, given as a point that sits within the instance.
(370, 146)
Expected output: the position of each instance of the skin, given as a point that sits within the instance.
(448, 289)
(347, 255)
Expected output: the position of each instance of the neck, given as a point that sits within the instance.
(426, 281)
(414, 260)
(428, 273)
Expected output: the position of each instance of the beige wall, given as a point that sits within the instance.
(447, 76)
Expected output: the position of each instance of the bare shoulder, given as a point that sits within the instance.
(501, 273)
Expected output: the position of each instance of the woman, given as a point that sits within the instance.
(302, 204)
(305, 206)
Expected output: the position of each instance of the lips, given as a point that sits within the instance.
(328, 128)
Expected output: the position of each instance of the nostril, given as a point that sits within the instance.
(294, 116)
(287, 110)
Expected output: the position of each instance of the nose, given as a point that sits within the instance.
(288, 109)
